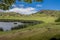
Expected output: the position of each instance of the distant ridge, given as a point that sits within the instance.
(47, 12)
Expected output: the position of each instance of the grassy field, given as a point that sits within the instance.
(46, 19)
(45, 31)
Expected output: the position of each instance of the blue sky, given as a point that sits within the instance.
(51, 4)
(26, 8)
(36, 5)
(46, 4)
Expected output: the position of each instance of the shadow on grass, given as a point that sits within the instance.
(56, 37)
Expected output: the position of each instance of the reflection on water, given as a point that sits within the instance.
(8, 25)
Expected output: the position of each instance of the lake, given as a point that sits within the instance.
(9, 25)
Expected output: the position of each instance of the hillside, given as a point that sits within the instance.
(49, 12)
(45, 12)
(49, 30)
(42, 15)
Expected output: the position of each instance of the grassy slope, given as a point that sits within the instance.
(37, 32)
(44, 17)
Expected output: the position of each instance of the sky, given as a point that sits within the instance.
(26, 8)
(51, 5)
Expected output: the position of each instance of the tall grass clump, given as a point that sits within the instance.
(58, 20)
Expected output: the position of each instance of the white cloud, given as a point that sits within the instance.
(38, 5)
(1, 10)
(27, 11)
(21, 5)
(14, 5)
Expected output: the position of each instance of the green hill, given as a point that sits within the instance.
(46, 31)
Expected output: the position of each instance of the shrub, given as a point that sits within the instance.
(1, 29)
(58, 20)
(56, 37)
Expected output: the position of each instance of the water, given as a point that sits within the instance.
(8, 25)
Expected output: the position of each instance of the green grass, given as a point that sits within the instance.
(46, 19)
(43, 31)
(37, 32)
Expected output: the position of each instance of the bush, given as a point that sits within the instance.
(58, 20)
(56, 37)
(1, 29)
